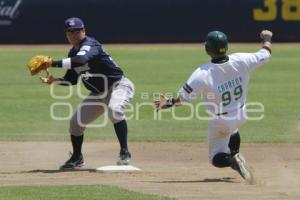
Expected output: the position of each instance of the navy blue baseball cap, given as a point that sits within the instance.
(74, 23)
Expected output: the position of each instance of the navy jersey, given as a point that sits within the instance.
(95, 65)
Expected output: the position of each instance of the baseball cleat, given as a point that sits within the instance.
(73, 163)
(239, 164)
(124, 157)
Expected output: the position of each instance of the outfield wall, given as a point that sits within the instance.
(122, 21)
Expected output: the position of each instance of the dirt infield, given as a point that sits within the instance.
(179, 170)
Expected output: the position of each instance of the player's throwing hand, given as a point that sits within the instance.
(266, 34)
(161, 103)
(165, 102)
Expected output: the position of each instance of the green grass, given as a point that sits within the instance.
(25, 102)
(91, 192)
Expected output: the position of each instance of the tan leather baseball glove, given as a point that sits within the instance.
(39, 63)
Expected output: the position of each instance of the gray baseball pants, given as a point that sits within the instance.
(114, 101)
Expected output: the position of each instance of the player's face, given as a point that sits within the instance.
(75, 36)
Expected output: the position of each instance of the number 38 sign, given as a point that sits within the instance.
(288, 10)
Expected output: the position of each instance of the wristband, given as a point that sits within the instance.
(170, 103)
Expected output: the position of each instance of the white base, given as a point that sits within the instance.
(117, 168)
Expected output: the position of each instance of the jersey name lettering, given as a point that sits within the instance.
(231, 84)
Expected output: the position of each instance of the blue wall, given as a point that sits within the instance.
(42, 21)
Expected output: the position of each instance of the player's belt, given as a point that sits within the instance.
(225, 113)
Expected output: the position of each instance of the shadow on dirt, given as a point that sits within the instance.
(206, 180)
(51, 171)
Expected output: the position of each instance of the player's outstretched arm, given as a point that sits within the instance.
(68, 63)
(266, 36)
(49, 79)
(59, 81)
(165, 103)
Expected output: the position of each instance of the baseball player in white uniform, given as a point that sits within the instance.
(223, 83)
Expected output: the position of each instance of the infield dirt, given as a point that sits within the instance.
(179, 170)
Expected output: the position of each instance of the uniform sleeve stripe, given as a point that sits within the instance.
(187, 90)
(188, 87)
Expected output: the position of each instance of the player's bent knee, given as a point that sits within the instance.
(76, 130)
(116, 117)
(221, 160)
(76, 134)
(115, 114)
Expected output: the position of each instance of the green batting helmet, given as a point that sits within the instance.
(216, 44)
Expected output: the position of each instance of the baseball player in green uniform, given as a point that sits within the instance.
(223, 82)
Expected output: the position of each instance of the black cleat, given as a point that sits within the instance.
(124, 157)
(73, 163)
